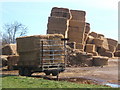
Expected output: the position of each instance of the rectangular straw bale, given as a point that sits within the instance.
(33, 57)
(105, 44)
(76, 23)
(94, 34)
(58, 20)
(58, 9)
(90, 48)
(61, 14)
(118, 47)
(57, 26)
(78, 15)
(98, 42)
(87, 28)
(58, 32)
(90, 39)
(9, 49)
(29, 43)
(79, 46)
(29, 58)
(75, 36)
(12, 60)
(100, 50)
(77, 29)
(112, 42)
(100, 61)
(101, 36)
(3, 60)
(117, 53)
(111, 48)
(107, 54)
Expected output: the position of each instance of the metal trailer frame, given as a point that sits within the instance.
(47, 68)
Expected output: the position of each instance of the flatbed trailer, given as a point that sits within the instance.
(50, 58)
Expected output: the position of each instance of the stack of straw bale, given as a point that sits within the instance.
(90, 48)
(9, 49)
(58, 22)
(100, 61)
(29, 48)
(77, 26)
(12, 61)
(3, 60)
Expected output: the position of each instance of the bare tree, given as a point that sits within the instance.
(11, 31)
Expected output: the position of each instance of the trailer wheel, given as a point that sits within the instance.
(21, 71)
(10, 68)
(27, 72)
(47, 72)
(55, 72)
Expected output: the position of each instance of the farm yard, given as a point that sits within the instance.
(68, 56)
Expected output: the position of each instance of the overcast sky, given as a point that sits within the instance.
(101, 14)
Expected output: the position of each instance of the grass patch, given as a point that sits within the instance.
(30, 82)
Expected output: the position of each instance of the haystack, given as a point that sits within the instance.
(30, 51)
(76, 23)
(76, 35)
(98, 42)
(101, 36)
(89, 39)
(90, 48)
(78, 58)
(118, 47)
(78, 15)
(12, 61)
(9, 49)
(117, 53)
(61, 12)
(3, 60)
(94, 34)
(112, 48)
(107, 54)
(112, 42)
(100, 61)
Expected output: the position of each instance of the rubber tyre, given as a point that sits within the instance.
(55, 72)
(21, 71)
(10, 68)
(27, 72)
(47, 72)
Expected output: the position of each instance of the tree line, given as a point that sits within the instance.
(11, 31)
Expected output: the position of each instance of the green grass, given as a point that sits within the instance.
(29, 82)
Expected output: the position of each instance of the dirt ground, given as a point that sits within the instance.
(101, 75)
